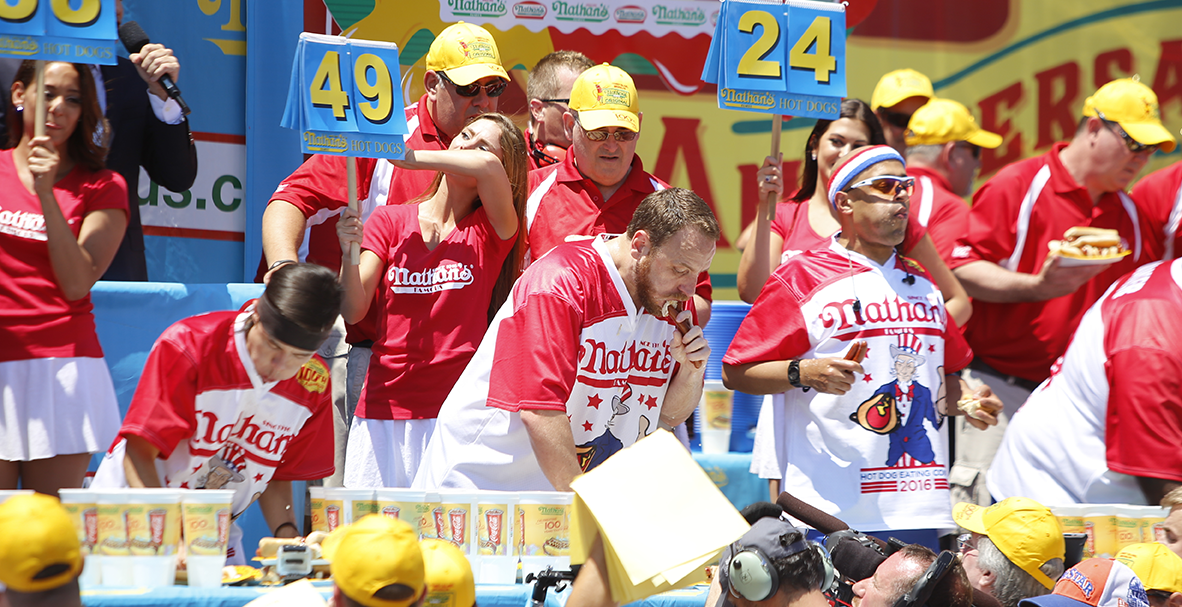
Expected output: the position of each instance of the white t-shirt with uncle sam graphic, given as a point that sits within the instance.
(877, 456)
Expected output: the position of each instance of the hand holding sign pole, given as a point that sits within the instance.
(758, 68)
(345, 101)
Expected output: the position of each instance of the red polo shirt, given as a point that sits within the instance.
(1014, 215)
(562, 202)
(1159, 196)
(937, 208)
(319, 190)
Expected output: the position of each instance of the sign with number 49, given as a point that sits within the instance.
(345, 98)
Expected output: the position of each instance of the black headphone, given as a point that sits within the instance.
(753, 576)
(922, 591)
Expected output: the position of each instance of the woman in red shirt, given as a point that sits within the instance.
(61, 220)
(441, 266)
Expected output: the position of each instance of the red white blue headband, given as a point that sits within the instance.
(860, 160)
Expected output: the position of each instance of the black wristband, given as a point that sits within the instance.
(275, 533)
(281, 262)
(794, 373)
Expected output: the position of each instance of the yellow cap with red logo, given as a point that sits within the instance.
(605, 96)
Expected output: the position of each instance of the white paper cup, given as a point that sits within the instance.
(82, 506)
(153, 571)
(9, 493)
(459, 520)
(495, 569)
(205, 571)
(716, 441)
(409, 506)
(346, 506)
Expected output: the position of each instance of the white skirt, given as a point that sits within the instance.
(385, 452)
(56, 406)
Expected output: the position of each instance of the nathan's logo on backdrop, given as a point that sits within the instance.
(679, 15)
(477, 8)
(644, 357)
(22, 224)
(886, 311)
(588, 11)
(431, 280)
(529, 10)
(269, 438)
(631, 14)
(714, 18)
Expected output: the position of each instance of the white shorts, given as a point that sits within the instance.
(56, 406)
(385, 452)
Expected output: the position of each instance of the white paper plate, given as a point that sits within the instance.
(1071, 262)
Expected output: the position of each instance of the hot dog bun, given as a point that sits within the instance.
(1086, 243)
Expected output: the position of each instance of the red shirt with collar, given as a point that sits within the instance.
(1013, 217)
(935, 207)
(562, 202)
(319, 189)
(1159, 196)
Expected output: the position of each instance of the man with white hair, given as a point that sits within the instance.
(1015, 549)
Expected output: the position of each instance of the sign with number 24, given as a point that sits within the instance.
(779, 58)
(344, 99)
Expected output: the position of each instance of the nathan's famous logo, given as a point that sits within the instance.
(477, 8)
(678, 15)
(268, 438)
(588, 11)
(313, 376)
(612, 95)
(479, 48)
(529, 10)
(446, 277)
(886, 311)
(762, 101)
(595, 357)
(18, 46)
(631, 14)
(22, 224)
(325, 143)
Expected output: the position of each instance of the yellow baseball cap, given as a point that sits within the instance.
(605, 96)
(1023, 530)
(899, 85)
(373, 553)
(35, 533)
(449, 575)
(466, 53)
(942, 120)
(1158, 567)
(1133, 106)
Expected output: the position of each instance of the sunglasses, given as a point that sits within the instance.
(898, 120)
(964, 543)
(889, 185)
(1133, 145)
(493, 89)
(975, 150)
(621, 135)
(566, 101)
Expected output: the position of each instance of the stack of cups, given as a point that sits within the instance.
(207, 533)
(453, 521)
(344, 506)
(316, 497)
(1100, 525)
(542, 530)
(1153, 524)
(494, 538)
(80, 504)
(137, 535)
(407, 505)
(1128, 526)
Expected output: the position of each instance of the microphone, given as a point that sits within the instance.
(856, 555)
(134, 39)
(909, 279)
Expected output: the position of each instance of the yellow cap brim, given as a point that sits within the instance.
(467, 74)
(984, 139)
(602, 119)
(970, 516)
(1150, 133)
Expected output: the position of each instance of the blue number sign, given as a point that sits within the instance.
(779, 58)
(78, 31)
(344, 99)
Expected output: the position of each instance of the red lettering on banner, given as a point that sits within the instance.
(992, 120)
(1058, 90)
(1121, 59)
(682, 134)
(1167, 82)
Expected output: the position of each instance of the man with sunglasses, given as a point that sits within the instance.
(464, 79)
(600, 183)
(896, 97)
(943, 155)
(548, 91)
(1027, 302)
(1014, 549)
(837, 337)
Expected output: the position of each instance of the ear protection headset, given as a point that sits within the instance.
(754, 577)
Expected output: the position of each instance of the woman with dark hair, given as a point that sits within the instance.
(807, 220)
(237, 400)
(61, 220)
(441, 266)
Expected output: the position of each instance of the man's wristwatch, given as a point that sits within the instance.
(794, 373)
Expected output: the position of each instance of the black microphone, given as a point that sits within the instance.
(910, 279)
(134, 39)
